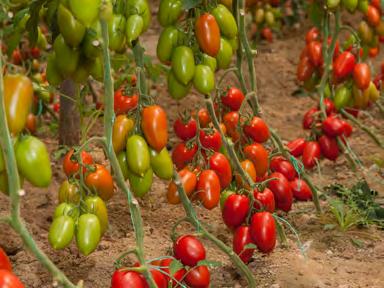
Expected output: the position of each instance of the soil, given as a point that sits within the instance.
(331, 259)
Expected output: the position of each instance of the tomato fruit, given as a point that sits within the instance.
(124, 278)
(71, 166)
(308, 118)
(18, 96)
(189, 250)
(9, 280)
(31, 154)
(169, 12)
(67, 209)
(329, 106)
(231, 120)
(263, 231)
(296, 147)
(69, 193)
(198, 277)
(344, 65)
(259, 157)
(283, 166)
(281, 191)
(176, 89)
(140, 185)
(167, 42)
(305, 69)
(241, 238)
(185, 129)
(31, 124)
(95, 205)
(343, 96)
(183, 154)
(88, 233)
(5, 263)
(101, 182)
(204, 79)
(235, 210)
(155, 127)
(189, 182)
(224, 57)
(178, 275)
(208, 189)
(210, 139)
(264, 200)
(220, 164)
(373, 15)
(204, 117)
(138, 156)
(207, 34)
(161, 163)
(139, 7)
(333, 126)
(329, 147)
(233, 98)
(121, 128)
(116, 32)
(183, 64)
(312, 35)
(123, 103)
(226, 21)
(257, 129)
(134, 27)
(362, 75)
(86, 16)
(311, 154)
(301, 190)
(61, 232)
(123, 163)
(73, 31)
(315, 53)
(248, 168)
(66, 58)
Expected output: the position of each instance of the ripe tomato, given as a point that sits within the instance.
(220, 164)
(315, 53)
(241, 238)
(208, 189)
(165, 264)
(263, 231)
(198, 277)
(207, 34)
(343, 65)
(210, 139)
(123, 103)
(233, 98)
(259, 157)
(348, 129)
(31, 124)
(123, 279)
(329, 147)
(373, 15)
(17, 58)
(189, 182)
(333, 126)
(266, 33)
(185, 129)
(71, 166)
(281, 191)
(155, 127)
(101, 181)
(312, 35)
(231, 120)
(204, 118)
(248, 168)
(183, 155)
(9, 280)
(329, 106)
(264, 200)
(189, 250)
(311, 154)
(279, 164)
(362, 75)
(305, 69)
(301, 190)
(159, 278)
(235, 210)
(257, 129)
(4, 261)
(296, 147)
(309, 118)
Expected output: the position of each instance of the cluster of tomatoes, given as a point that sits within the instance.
(7, 278)
(184, 268)
(81, 210)
(30, 152)
(195, 58)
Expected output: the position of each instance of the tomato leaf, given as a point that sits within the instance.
(189, 4)
(175, 266)
(209, 263)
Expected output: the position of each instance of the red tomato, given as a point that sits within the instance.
(159, 278)
(231, 120)
(259, 157)
(189, 250)
(264, 200)
(178, 275)
(279, 164)
(329, 106)
(183, 155)
(235, 210)
(185, 130)
(373, 15)
(207, 34)
(281, 191)
(296, 147)
(123, 104)
(362, 75)
(333, 126)
(377, 4)
(249, 169)
(101, 181)
(241, 238)
(343, 65)
(189, 182)
(257, 129)
(372, 52)
(4, 261)
(305, 69)
(35, 52)
(328, 147)
(233, 98)
(198, 277)
(154, 126)
(347, 128)
(312, 35)
(56, 107)
(311, 154)
(17, 58)
(208, 189)
(266, 33)
(315, 53)
(309, 118)
(204, 118)
(71, 166)
(263, 231)
(123, 279)
(220, 164)
(210, 139)
(301, 190)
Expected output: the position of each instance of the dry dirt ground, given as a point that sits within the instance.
(331, 259)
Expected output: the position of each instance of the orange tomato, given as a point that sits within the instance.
(259, 157)
(249, 168)
(188, 180)
(155, 127)
(101, 182)
(207, 33)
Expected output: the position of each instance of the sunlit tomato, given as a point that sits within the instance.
(189, 250)
(305, 69)
(263, 231)
(231, 120)
(165, 265)
(220, 164)
(123, 278)
(204, 118)
(248, 168)
(343, 65)
(233, 98)
(257, 129)
(207, 34)
(189, 182)
(301, 190)
(210, 139)
(123, 103)
(309, 118)
(315, 53)
(279, 164)
(198, 277)
(101, 181)
(235, 210)
(155, 127)
(185, 129)
(9, 280)
(296, 147)
(329, 106)
(333, 126)
(311, 154)
(4, 261)
(259, 157)
(329, 147)
(362, 75)
(264, 200)
(312, 35)
(241, 238)
(373, 15)
(267, 34)
(281, 191)
(183, 154)
(208, 189)
(70, 164)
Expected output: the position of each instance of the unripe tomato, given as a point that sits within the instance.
(123, 163)
(207, 34)
(351, 5)
(121, 128)
(167, 42)
(224, 57)
(226, 21)
(365, 33)
(96, 205)
(332, 4)
(185, 129)
(220, 164)
(281, 191)
(362, 75)
(209, 61)
(9, 280)
(329, 147)
(183, 64)
(264, 200)
(176, 89)
(141, 185)
(161, 163)
(343, 96)
(263, 231)
(139, 7)
(71, 166)
(73, 31)
(296, 147)
(86, 16)
(259, 157)
(116, 32)
(235, 210)
(66, 58)
(208, 188)
(241, 238)
(311, 154)
(233, 98)
(138, 157)
(301, 190)
(189, 182)
(204, 79)
(67, 209)
(189, 250)
(101, 181)
(169, 12)
(134, 27)
(198, 277)
(61, 232)
(155, 127)
(88, 233)
(248, 168)
(257, 129)
(69, 193)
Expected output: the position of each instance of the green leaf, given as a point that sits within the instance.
(33, 21)
(315, 13)
(209, 263)
(175, 266)
(189, 4)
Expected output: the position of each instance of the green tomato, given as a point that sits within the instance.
(209, 61)
(96, 205)
(61, 232)
(259, 16)
(139, 7)
(176, 89)
(161, 163)
(269, 18)
(141, 185)
(69, 193)
(183, 64)
(343, 96)
(224, 57)
(234, 43)
(204, 79)
(33, 161)
(86, 11)
(224, 196)
(365, 32)
(169, 12)
(96, 68)
(81, 74)
(66, 58)
(363, 6)
(41, 40)
(332, 4)
(116, 32)
(52, 73)
(88, 233)
(72, 30)
(67, 209)
(123, 162)
(327, 91)
(351, 5)
(134, 28)
(91, 46)
(167, 42)
(138, 155)
(226, 21)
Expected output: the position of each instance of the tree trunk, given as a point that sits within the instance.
(69, 124)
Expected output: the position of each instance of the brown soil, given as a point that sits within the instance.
(331, 258)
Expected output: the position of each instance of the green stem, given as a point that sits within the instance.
(109, 116)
